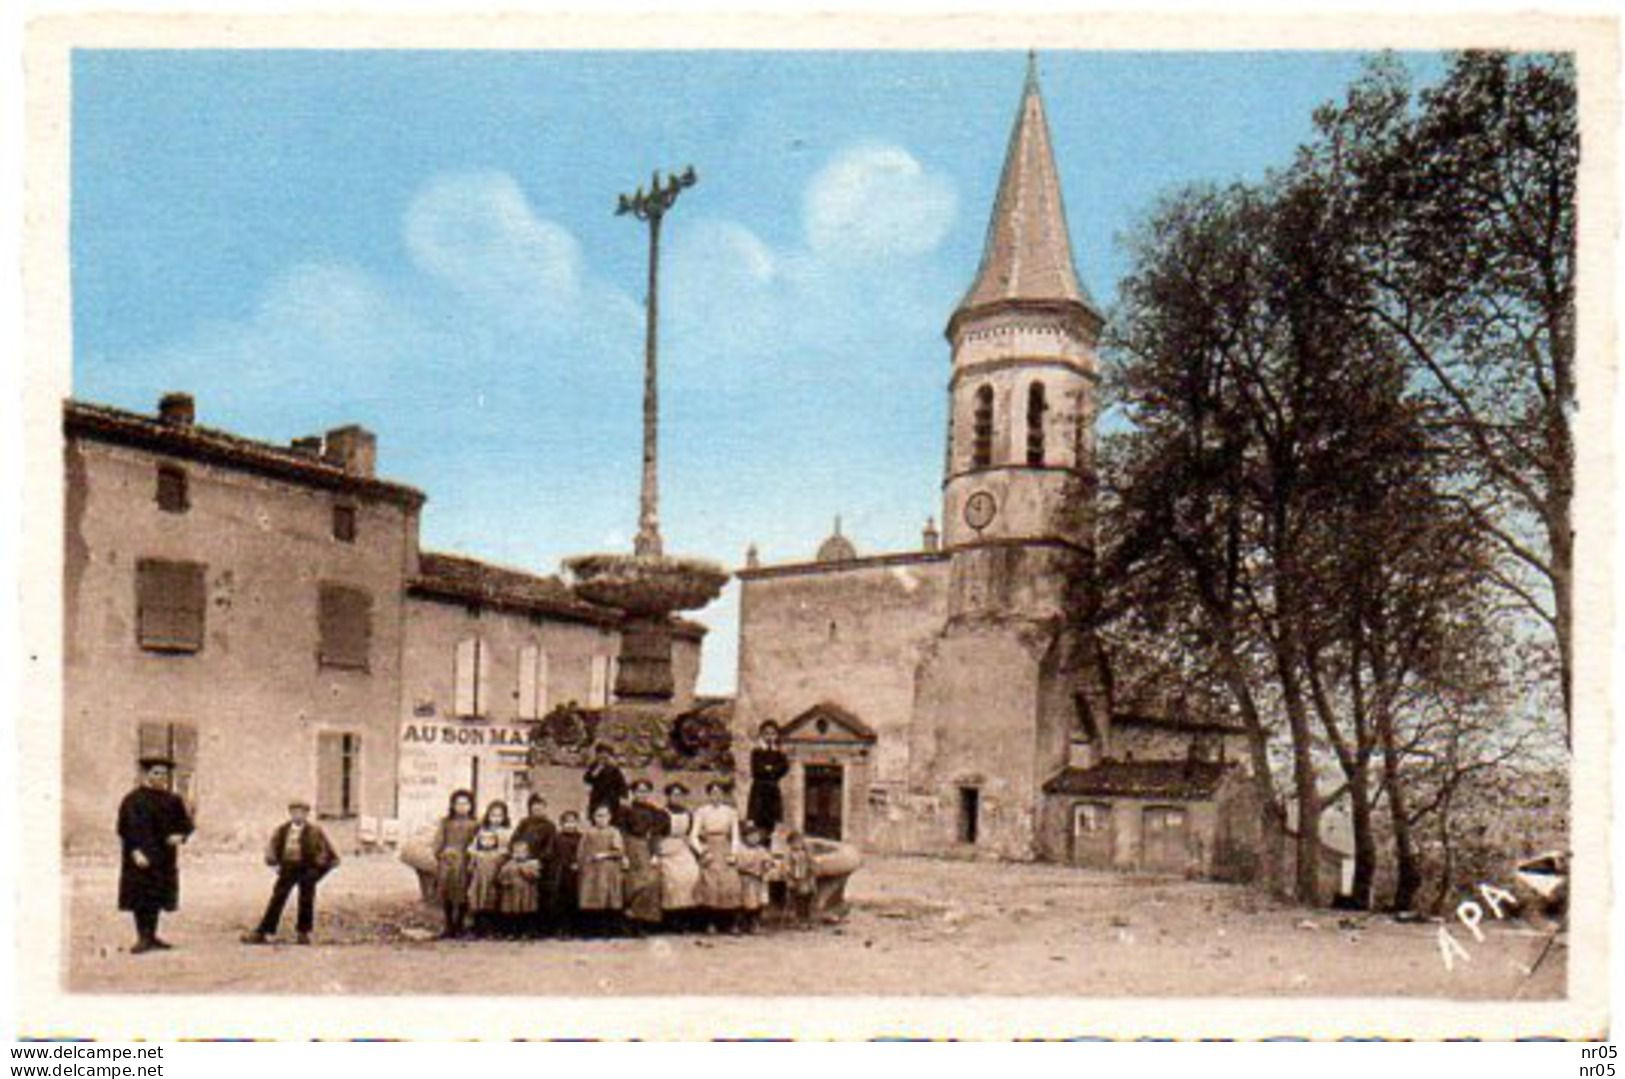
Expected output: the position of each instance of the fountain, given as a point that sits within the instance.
(648, 586)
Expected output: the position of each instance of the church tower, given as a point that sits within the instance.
(997, 691)
(1018, 487)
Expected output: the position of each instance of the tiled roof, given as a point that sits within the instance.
(1140, 779)
(1175, 723)
(1027, 256)
(468, 580)
(81, 419)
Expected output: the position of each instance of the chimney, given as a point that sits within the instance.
(308, 446)
(1082, 753)
(177, 409)
(753, 558)
(931, 539)
(352, 448)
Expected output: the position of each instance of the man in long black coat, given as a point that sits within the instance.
(152, 824)
(606, 784)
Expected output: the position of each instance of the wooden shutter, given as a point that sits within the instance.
(170, 600)
(330, 774)
(598, 682)
(528, 661)
(482, 678)
(463, 675)
(346, 627)
(542, 702)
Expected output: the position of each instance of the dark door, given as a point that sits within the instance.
(1166, 839)
(1092, 834)
(823, 793)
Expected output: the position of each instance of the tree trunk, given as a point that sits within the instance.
(1407, 873)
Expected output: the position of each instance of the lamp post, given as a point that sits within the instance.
(652, 206)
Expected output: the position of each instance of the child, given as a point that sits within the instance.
(566, 884)
(451, 841)
(801, 880)
(518, 882)
(602, 862)
(485, 864)
(755, 866)
(496, 820)
(300, 853)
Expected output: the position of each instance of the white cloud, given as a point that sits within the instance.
(477, 233)
(877, 200)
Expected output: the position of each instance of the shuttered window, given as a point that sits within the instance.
(170, 601)
(982, 429)
(598, 683)
(345, 626)
(338, 774)
(532, 682)
(1037, 406)
(471, 675)
(178, 742)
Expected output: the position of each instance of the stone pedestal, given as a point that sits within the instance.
(644, 671)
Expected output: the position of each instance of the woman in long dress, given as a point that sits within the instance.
(768, 765)
(679, 859)
(602, 858)
(451, 859)
(716, 827)
(643, 825)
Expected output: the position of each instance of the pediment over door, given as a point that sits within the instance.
(828, 724)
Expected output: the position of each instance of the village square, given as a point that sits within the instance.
(1232, 657)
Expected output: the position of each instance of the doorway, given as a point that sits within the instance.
(1166, 839)
(970, 814)
(824, 790)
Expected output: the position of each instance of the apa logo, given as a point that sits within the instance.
(1470, 914)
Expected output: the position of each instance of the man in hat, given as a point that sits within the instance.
(606, 783)
(152, 824)
(301, 854)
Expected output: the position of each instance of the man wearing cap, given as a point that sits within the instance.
(152, 824)
(301, 854)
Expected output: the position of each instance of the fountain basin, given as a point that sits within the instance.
(645, 585)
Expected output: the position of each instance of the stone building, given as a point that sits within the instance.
(263, 613)
(949, 699)
(237, 605)
(490, 651)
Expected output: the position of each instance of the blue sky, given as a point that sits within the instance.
(423, 242)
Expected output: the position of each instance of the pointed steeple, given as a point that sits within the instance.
(1028, 253)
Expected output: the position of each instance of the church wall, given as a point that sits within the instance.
(976, 728)
(847, 633)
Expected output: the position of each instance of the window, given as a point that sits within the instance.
(338, 774)
(344, 523)
(1036, 407)
(982, 448)
(344, 622)
(178, 742)
(471, 674)
(970, 814)
(172, 494)
(598, 683)
(532, 682)
(170, 600)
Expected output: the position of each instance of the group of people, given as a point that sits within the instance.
(639, 861)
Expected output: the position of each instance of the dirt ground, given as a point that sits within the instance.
(916, 926)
